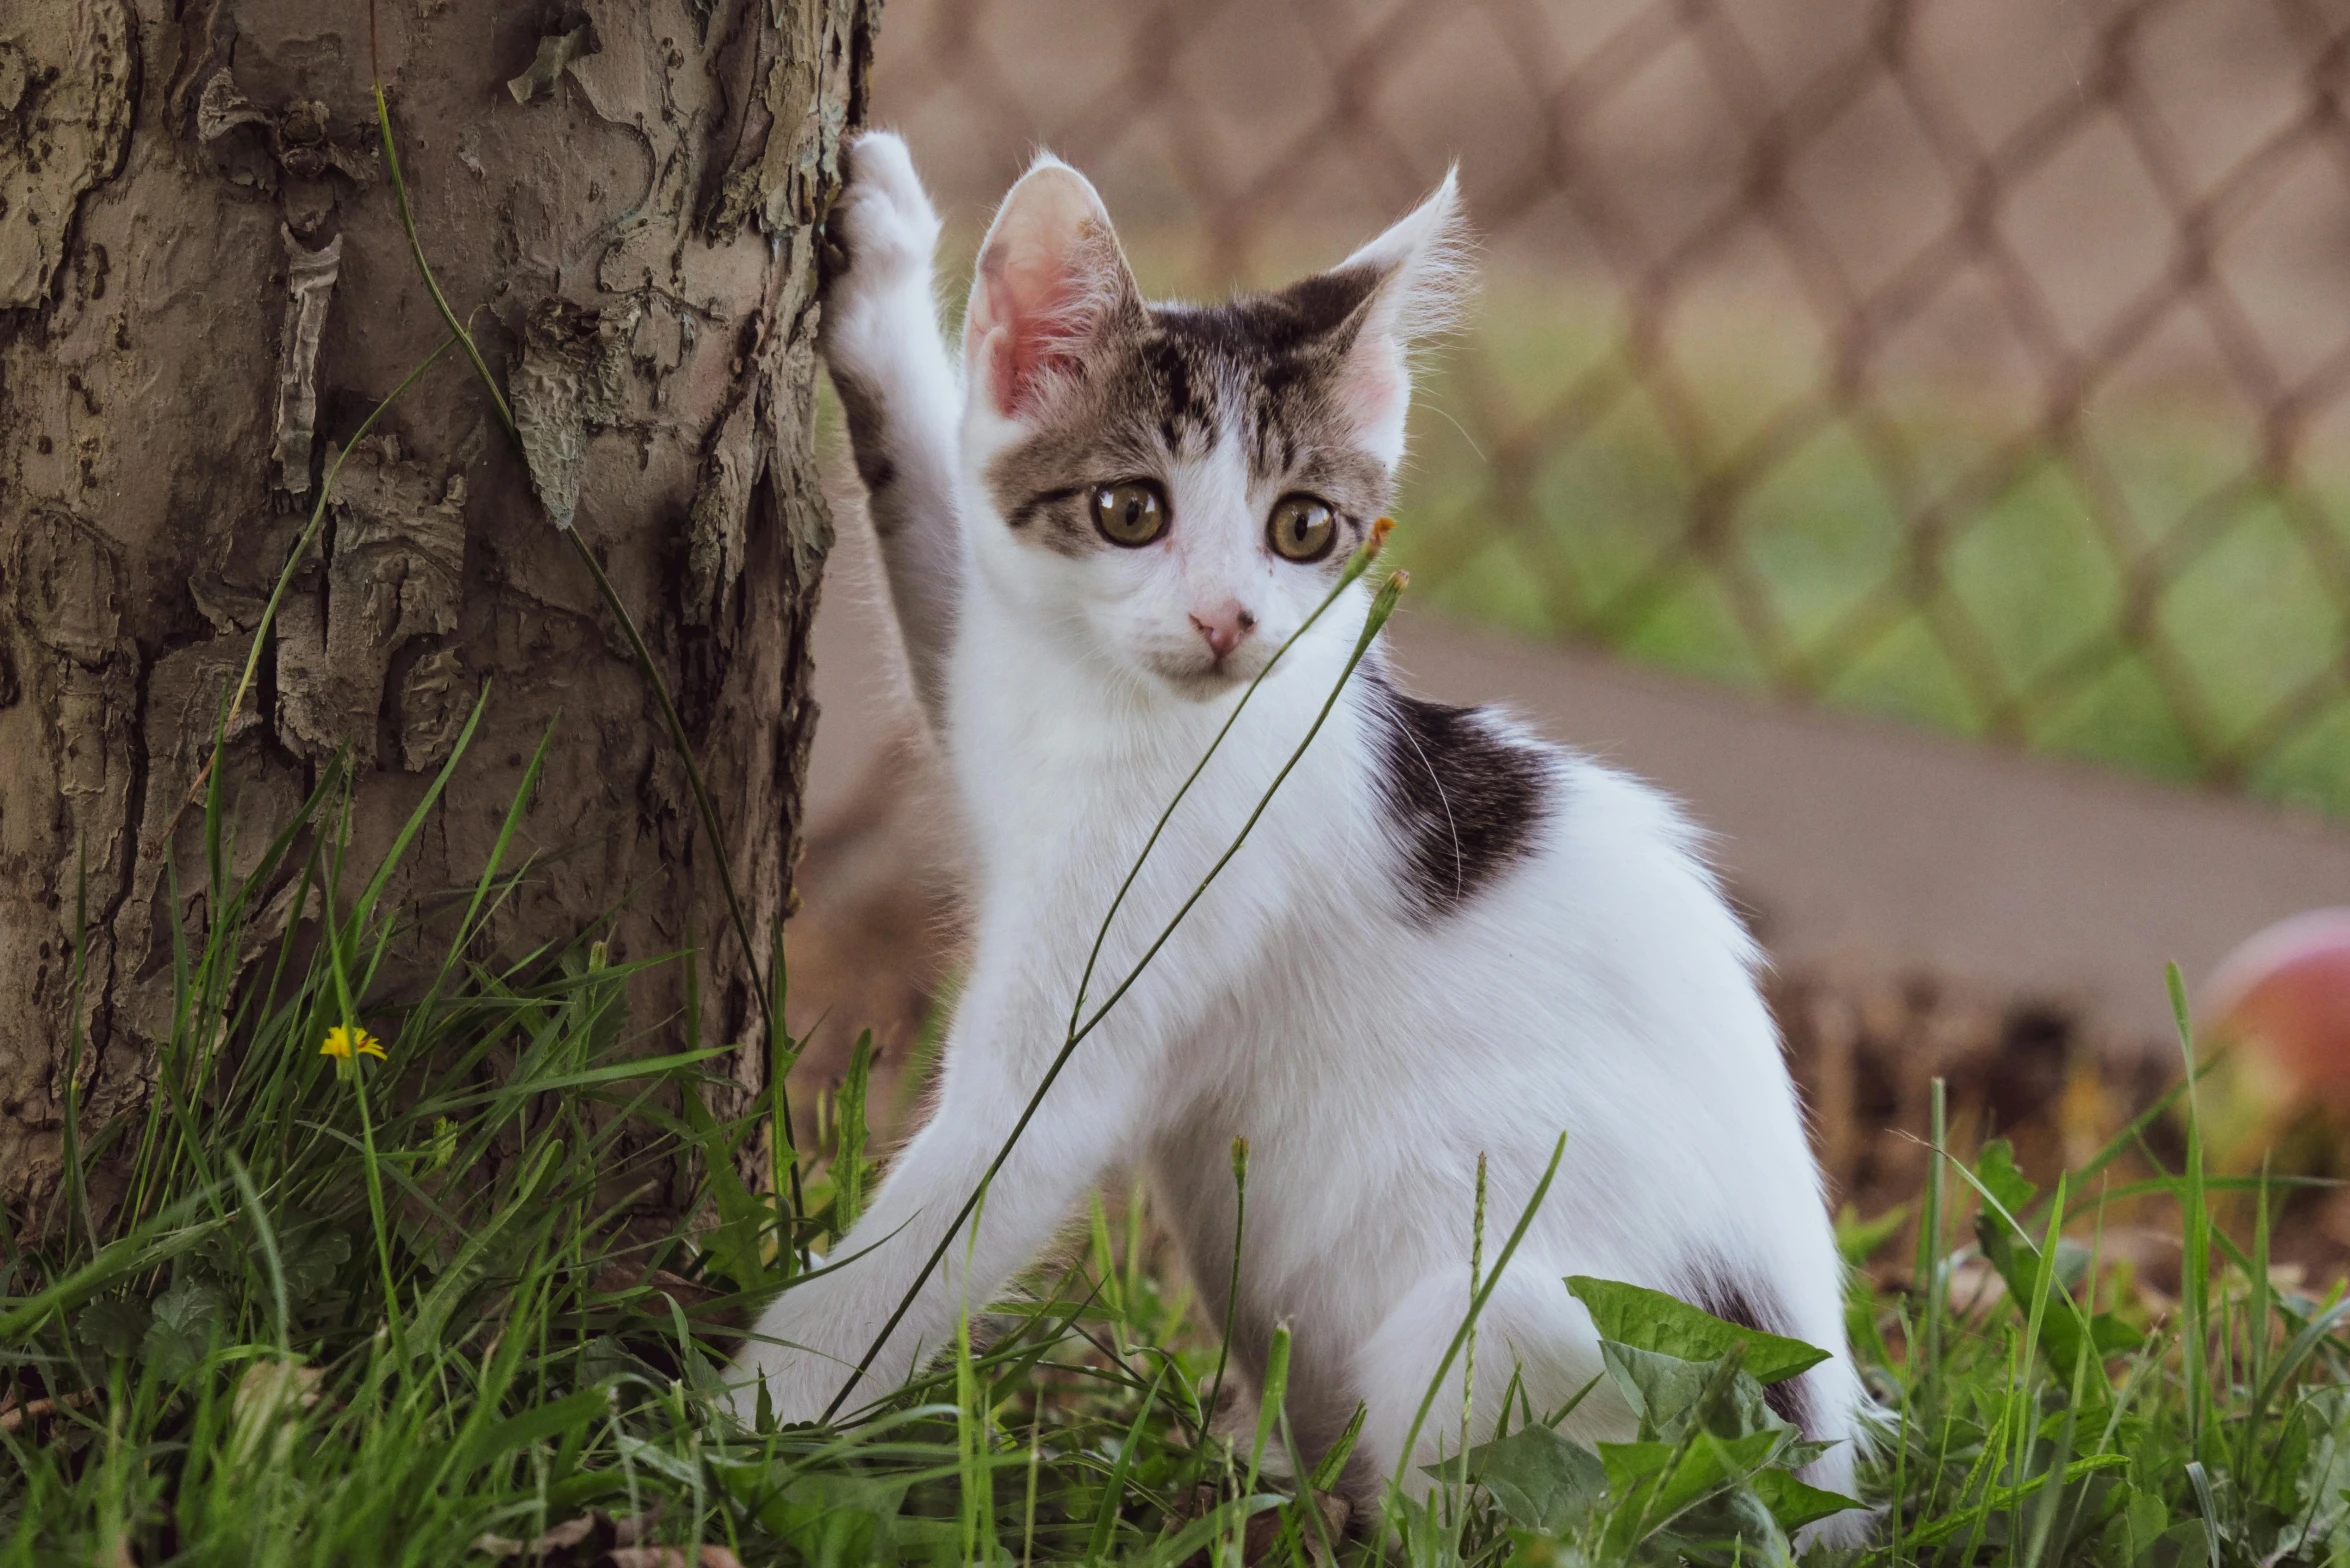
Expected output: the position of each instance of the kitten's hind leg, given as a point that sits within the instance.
(1531, 1331)
(898, 388)
(1534, 1330)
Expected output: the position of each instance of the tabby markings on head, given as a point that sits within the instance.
(1168, 385)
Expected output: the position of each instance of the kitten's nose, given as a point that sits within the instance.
(1225, 626)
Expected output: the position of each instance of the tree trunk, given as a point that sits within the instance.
(204, 287)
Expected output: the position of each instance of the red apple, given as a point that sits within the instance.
(2285, 995)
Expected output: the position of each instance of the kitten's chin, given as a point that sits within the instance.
(1198, 681)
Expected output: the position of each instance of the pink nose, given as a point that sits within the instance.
(1225, 626)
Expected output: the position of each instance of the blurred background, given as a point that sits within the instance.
(1915, 431)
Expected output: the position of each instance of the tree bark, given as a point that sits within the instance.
(203, 289)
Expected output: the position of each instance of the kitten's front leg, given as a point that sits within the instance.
(810, 1339)
(898, 389)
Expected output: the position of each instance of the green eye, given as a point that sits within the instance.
(1131, 513)
(1302, 528)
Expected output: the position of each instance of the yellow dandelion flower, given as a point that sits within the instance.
(342, 1043)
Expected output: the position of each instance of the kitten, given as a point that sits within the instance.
(1444, 938)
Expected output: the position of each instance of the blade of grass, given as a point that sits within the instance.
(2257, 1314)
(2201, 1482)
(1931, 1225)
(1232, 1287)
(2195, 1264)
(1105, 1522)
(1270, 1401)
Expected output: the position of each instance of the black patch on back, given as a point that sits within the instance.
(1726, 1298)
(1468, 800)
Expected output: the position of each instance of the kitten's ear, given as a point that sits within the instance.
(1051, 279)
(1422, 264)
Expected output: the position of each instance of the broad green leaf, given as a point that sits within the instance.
(1657, 1481)
(1796, 1503)
(1996, 1169)
(1626, 1465)
(1652, 1320)
(310, 1251)
(1797, 1455)
(1664, 1392)
(1659, 1388)
(1539, 1480)
(314, 1255)
(2184, 1545)
(1629, 1465)
(2136, 1525)
(114, 1326)
(1732, 1526)
(186, 1318)
(1748, 1520)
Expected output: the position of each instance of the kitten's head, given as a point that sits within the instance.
(1177, 486)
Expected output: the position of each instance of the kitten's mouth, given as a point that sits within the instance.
(1200, 680)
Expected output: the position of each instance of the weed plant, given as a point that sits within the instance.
(405, 1309)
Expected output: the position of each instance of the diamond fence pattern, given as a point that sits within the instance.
(1981, 362)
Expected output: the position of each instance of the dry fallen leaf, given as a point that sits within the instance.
(597, 1540)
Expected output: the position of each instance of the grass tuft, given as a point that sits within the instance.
(367, 1311)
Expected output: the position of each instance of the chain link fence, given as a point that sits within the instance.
(1984, 363)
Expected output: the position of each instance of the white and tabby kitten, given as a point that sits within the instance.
(1445, 937)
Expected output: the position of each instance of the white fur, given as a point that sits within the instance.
(1601, 988)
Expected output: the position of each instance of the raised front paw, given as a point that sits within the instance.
(883, 225)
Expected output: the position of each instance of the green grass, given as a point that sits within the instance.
(302, 1311)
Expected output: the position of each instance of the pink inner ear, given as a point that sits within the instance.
(1034, 302)
(1374, 388)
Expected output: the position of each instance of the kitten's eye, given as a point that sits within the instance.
(1131, 513)
(1302, 528)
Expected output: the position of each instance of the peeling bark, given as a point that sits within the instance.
(204, 287)
(399, 549)
(310, 284)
